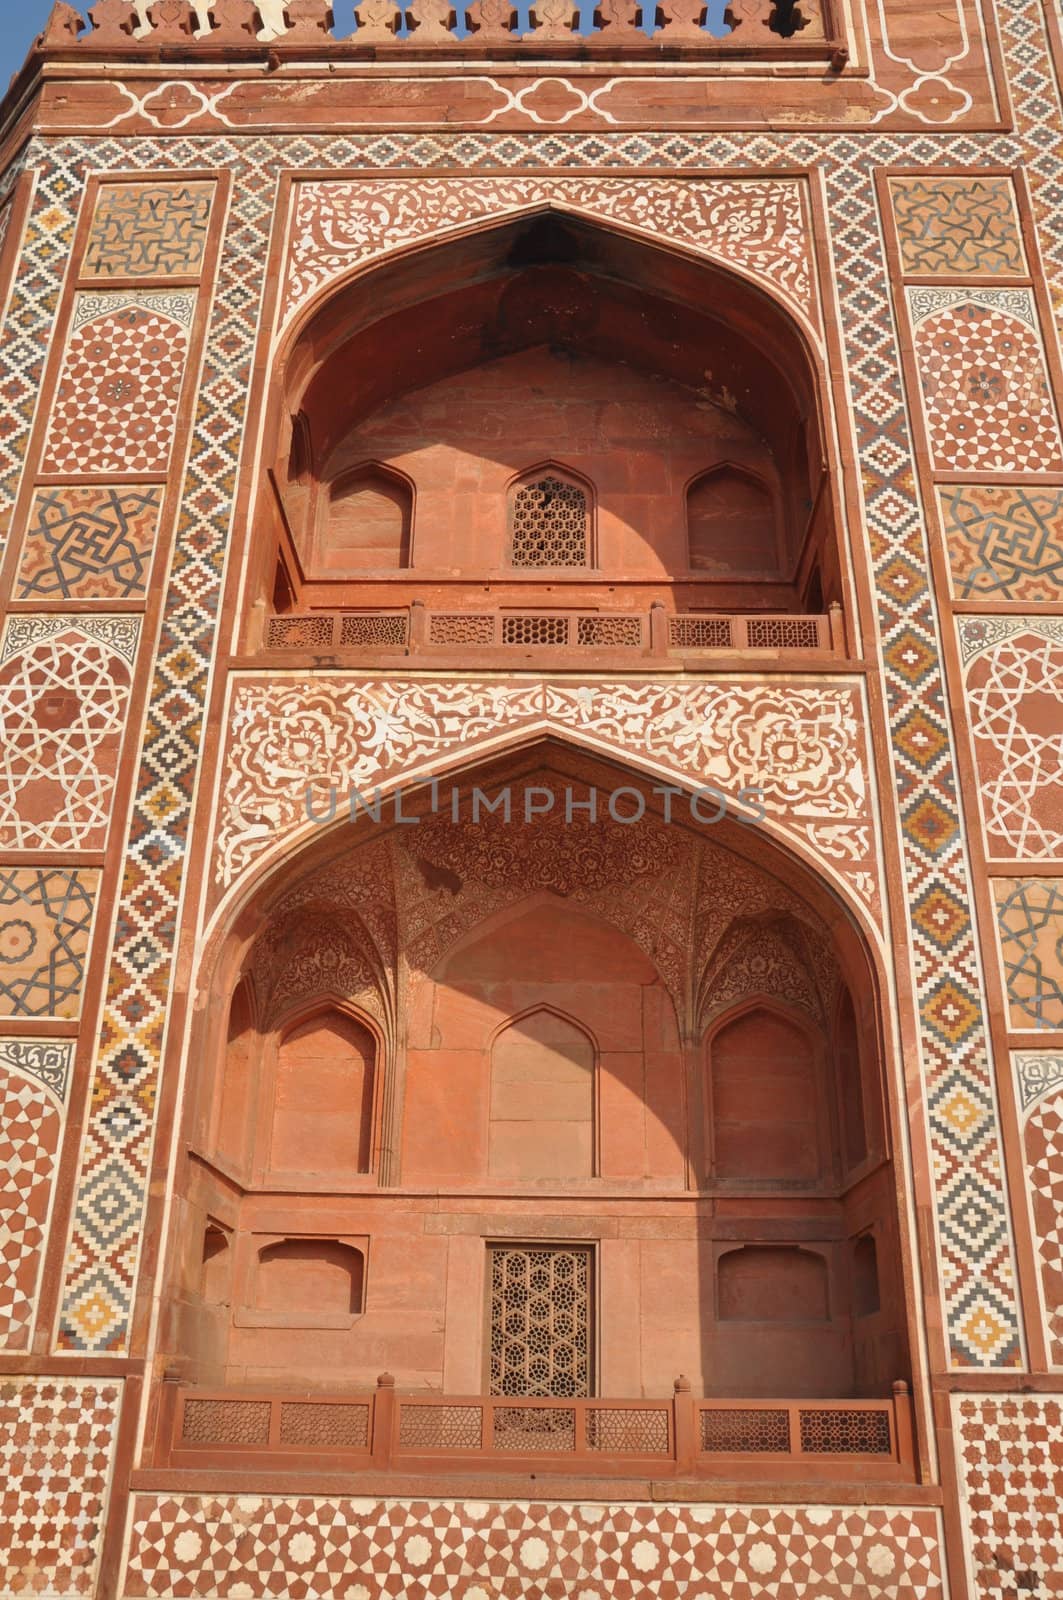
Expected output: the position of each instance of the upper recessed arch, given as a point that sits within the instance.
(640, 366)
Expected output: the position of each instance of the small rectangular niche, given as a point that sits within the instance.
(303, 1281)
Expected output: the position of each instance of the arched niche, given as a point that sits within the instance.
(365, 520)
(853, 1116)
(553, 1010)
(769, 1123)
(555, 337)
(311, 1281)
(541, 1110)
(782, 1323)
(734, 524)
(773, 1283)
(323, 1097)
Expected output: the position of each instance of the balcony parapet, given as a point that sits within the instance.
(580, 638)
(778, 29)
(684, 1436)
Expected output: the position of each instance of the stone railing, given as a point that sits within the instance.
(579, 635)
(791, 27)
(683, 1436)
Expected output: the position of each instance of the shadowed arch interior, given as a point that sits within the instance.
(682, 399)
(631, 1041)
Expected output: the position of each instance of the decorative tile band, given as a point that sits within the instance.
(251, 1548)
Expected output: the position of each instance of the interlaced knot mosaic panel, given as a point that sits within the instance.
(540, 1334)
(549, 524)
(1030, 923)
(149, 230)
(982, 1319)
(45, 923)
(958, 227)
(89, 542)
(314, 1549)
(1003, 542)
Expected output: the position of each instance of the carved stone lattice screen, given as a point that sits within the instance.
(549, 524)
(540, 1323)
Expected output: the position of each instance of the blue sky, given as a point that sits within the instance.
(22, 21)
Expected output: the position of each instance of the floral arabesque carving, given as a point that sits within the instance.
(755, 226)
(291, 748)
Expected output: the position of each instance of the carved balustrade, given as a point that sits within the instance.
(425, 1432)
(791, 28)
(581, 635)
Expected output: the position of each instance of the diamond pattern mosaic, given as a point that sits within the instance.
(977, 1274)
(1011, 1481)
(252, 1548)
(57, 1440)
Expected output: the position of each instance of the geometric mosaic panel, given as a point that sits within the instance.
(959, 227)
(64, 693)
(57, 1438)
(45, 925)
(1030, 923)
(1039, 1078)
(31, 1122)
(116, 403)
(1004, 543)
(90, 542)
(1014, 690)
(1010, 1460)
(253, 1547)
(985, 387)
(148, 230)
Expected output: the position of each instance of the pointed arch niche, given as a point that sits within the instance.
(653, 1047)
(413, 406)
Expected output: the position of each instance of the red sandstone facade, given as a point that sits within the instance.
(531, 993)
